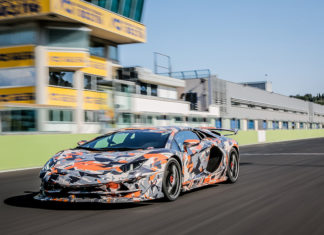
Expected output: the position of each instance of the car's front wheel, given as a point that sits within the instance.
(171, 185)
(233, 167)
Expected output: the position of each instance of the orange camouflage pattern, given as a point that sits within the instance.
(78, 175)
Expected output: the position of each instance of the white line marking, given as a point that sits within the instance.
(21, 169)
(273, 154)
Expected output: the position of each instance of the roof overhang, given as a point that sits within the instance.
(103, 23)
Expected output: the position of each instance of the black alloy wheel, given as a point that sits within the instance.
(233, 167)
(172, 179)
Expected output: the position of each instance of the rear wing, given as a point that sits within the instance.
(219, 130)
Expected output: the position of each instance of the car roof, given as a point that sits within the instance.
(158, 128)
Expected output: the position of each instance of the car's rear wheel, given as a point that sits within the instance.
(171, 185)
(233, 167)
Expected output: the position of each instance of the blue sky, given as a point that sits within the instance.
(239, 40)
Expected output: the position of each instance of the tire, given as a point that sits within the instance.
(172, 180)
(233, 167)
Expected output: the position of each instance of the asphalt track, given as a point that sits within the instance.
(280, 191)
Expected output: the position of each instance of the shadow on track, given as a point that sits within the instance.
(28, 201)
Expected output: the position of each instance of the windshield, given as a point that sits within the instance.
(128, 140)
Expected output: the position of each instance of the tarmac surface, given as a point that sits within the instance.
(280, 191)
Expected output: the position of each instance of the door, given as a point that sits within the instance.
(195, 158)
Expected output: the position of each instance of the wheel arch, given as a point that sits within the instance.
(177, 158)
(237, 150)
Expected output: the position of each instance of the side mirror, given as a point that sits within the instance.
(191, 143)
(81, 142)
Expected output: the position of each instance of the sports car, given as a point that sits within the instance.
(138, 164)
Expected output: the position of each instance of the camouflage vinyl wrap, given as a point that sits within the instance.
(79, 175)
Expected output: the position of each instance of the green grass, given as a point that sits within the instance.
(282, 135)
(23, 151)
(246, 137)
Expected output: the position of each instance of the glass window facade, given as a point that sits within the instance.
(18, 120)
(91, 116)
(126, 118)
(264, 125)
(12, 37)
(87, 82)
(143, 88)
(284, 125)
(61, 78)
(218, 123)
(132, 9)
(60, 37)
(97, 49)
(251, 125)
(154, 91)
(17, 77)
(90, 82)
(235, 124)
(60, 115)
(113, 53)
(275, 124)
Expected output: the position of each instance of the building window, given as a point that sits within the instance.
(251, 125)
(126, 118)
(149, 119)
(87, 82)
(60, 115)
(91, 116)
(154, 91)
(66, 37)
(138, 119)
(178, 119)
(143, 88)
(12, 37)
(275, 124)
(301, 125)
(235, 124)
(284, 125)
(218, 123)
(129, 8)
(139, 10)
(97, 49)
(17, 77)
(61, 78)
(113, 53)
(264, 125)
(115, 5)
(18, 120)
(90, 82)
(124, 88)
(162, 117)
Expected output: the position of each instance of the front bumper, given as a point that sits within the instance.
(145, 188)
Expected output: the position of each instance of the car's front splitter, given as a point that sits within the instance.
(146, 188)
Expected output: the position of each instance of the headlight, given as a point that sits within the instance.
(132, 165)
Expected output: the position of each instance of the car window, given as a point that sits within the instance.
(200, 134)
(129, 140)
(185, 135)
(175, 146)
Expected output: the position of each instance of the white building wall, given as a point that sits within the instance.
(151, 104)
(167, 92)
